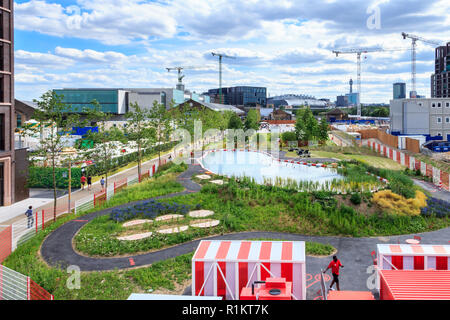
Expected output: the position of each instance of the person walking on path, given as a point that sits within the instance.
(83, 181)
(89, 182)
(102, 183)
(334, 266)
(29, 214)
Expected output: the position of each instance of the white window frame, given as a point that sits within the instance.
(439, 120)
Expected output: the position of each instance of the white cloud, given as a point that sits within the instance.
(110, 22)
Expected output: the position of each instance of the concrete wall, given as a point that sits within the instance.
(145, 100)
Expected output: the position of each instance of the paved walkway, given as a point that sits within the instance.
(38, 198)
(16, 212)
(437, 193)
(57, 249)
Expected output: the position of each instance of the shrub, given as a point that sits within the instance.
(356, 199)
(397, 204)
(42, 177)
(436, 207)
(149, 210)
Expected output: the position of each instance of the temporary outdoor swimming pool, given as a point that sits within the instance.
(260, 166)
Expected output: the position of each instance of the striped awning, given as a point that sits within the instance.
(416, 250)
(251, 251)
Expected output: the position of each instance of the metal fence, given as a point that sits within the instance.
(16, 286)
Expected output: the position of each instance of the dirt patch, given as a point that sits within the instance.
(178, 290)
(362, 208)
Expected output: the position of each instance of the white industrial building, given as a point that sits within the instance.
(421, 116)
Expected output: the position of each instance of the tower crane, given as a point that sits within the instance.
(414, 40)
(180, 85)
(221, 55)
(358, 52)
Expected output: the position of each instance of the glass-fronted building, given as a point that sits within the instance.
(118, 101)
(399, 90)
(108, 99)
(241, 96)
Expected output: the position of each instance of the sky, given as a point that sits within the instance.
(283, 45)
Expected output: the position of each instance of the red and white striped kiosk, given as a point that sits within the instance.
(413, 257)
(223, 268)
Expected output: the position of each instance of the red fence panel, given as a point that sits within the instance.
(118, 185)
(5, 243)
(99, 198)
(399, 159)
(407, 161)
(36, 292)
(417, 164)
(391, 154)
(384, 151)
(445, 180)
(429, 170)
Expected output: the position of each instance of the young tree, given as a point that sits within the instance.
(107, 140)
(252, 120)
(55, 119)
(323, 130)
(139, 130)
(235, 122)
(161, 122)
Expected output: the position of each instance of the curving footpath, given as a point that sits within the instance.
(57, 249)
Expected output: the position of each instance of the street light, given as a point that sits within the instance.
(69, 152)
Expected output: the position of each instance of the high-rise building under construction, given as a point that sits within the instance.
(440, 80)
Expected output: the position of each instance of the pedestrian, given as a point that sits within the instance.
(334, 265)
(83, 181)
(102, 183)
(29, 214)
(89, 182)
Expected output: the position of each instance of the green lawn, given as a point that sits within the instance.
(374, 161)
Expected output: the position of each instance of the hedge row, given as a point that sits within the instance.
(122, 161)
(40, 177)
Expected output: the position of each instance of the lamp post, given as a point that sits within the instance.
(69, 152)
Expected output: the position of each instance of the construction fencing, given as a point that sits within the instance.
(16, 286)
(440, 178)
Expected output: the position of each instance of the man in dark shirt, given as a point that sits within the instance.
(334, 266)
(29, 214)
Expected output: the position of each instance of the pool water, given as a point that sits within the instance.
(260, 166)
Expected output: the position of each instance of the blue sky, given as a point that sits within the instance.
(283, 45)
